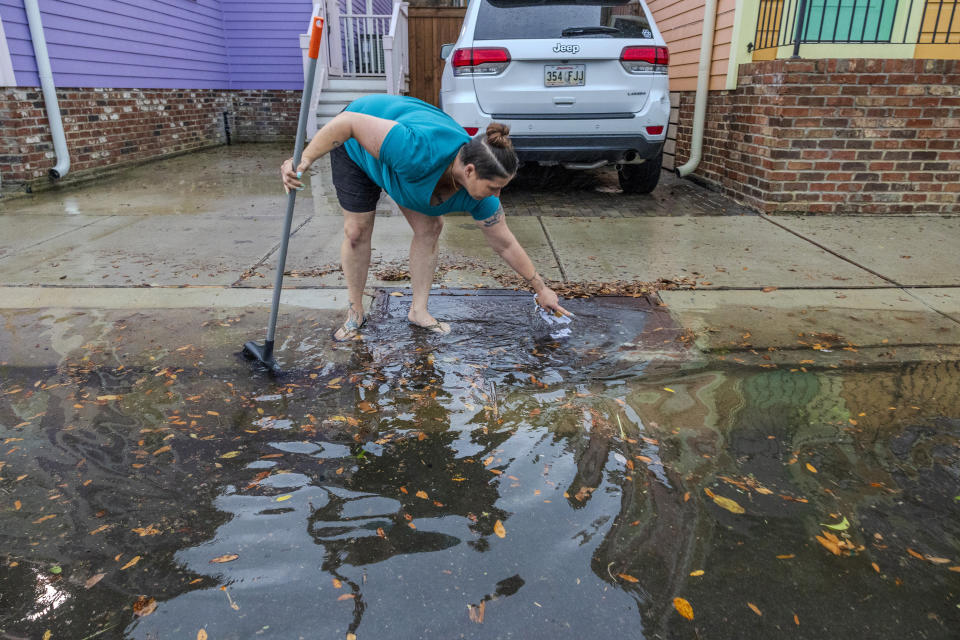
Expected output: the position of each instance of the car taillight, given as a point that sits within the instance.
(655, 131)
(480, 61)
(645, 59)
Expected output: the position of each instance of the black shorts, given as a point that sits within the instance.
(356, 192)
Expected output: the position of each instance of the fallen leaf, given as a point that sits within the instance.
(230, 454)
(282, 498)
(337, 584)
(135, 560)
(16, 505)
(213, 413)
(628, 577)
(786, 556)
(936, 560)
(499, 530)
(346, 596)
(351, 636)
(201, 635)
(381, 532)
(811, 468)
(683, 608)
(698, 572)
(422, 494)
(476, 611)
(99, 529)
(39, 520)
(914, 554)
(229, 557)
(109, 397)
(755, 609)
(94, 579)
(144, 606)
(730, 505)
(769, 289)
(796, 620)
(841, 526)
(831, 546)
(395, 294)
(47, 634)
(161, 450)
(875, 566)
(669, 389)
(763, 490)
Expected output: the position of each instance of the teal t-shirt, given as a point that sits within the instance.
(415, 154)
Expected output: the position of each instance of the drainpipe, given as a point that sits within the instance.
(703, 88)
(49, 89)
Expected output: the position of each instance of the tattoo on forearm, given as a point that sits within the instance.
(494, 219)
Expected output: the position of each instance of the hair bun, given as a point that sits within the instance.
(498, 135)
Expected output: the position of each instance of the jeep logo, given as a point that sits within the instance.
(566, 48)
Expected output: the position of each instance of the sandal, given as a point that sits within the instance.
(441, 328)
(350, 329)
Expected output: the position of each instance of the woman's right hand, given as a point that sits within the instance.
(291, 178)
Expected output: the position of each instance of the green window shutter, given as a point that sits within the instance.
(849, 20)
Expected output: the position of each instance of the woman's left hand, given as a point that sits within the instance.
(549, 300)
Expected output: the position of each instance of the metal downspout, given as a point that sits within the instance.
(49, 90)
(703, 88)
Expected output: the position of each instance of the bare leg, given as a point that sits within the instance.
(423, 265)
(355, 260)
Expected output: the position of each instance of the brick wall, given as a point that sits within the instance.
(109, 128)
(834, 136)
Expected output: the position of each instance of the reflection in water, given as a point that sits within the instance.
(487, 487)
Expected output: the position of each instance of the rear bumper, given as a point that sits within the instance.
(585, 148)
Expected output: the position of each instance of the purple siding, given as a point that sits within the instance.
(163, 44)
(263, 42)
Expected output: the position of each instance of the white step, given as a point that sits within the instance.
(346, 97)
(367, 85)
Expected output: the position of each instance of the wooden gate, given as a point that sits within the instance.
(430, 27)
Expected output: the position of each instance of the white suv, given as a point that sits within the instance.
(582, 83)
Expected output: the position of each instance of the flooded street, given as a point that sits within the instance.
(493, 483)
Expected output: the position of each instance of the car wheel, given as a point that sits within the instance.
(640, 178)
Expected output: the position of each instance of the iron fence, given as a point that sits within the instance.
(784, 23)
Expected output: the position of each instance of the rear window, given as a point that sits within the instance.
(529, 19)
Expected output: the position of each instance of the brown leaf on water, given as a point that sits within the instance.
(763, 490)
(628, 577)
(229, 557)
(697, 573)
(201, 635)
(161, 450)
(144, 606)
(366, 407)
(796, 620)
(683, 608)
(499, 530)
(381, 532)
(108, 397)
(99, 529)
(346, 596)
(769, 289)
(755, 608)
(422, 494)
(914, 554)
(476, 611)
(875, 566)
(337, 584)
(811, 468)
(135, 560)
(786, 556)
(94, 579)
(47, 634)
(645, 459)
(830, 545)
(232, 454)
(39, 520)
(936, 560)
(17, 505)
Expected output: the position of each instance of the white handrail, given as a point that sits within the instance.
(396, 50)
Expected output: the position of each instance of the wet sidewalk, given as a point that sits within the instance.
(206, 226)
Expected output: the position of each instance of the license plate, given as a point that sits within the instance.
(564, 75)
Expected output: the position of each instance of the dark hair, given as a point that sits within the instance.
(491, 153)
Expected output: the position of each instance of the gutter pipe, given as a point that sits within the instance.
(703, 88)
(49, 90)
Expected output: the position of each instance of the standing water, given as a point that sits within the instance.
(492, 483)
